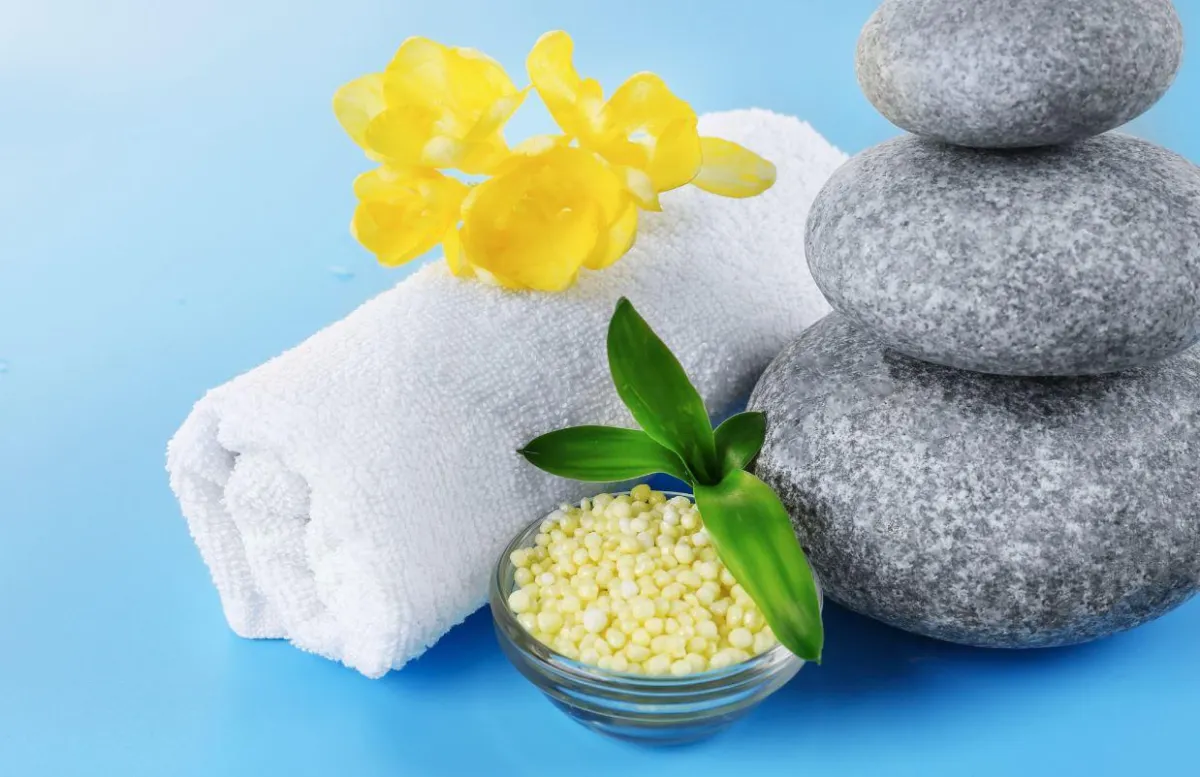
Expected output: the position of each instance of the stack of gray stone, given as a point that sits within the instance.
(995, 438)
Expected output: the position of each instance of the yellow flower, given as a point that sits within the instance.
(643, 130)
(402, 214)
(551, 210)
(434, 106)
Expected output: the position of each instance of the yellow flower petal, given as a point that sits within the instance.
(483, 158)
(573, 102)
(355, 104)
(496, 115)
(640, 187)
(535, 225)
(401, 134)
(733, 171)
(452, 246)
(540, 144)
(445, 108)
(677, 155)
(617, 241)
(385, 232)
(646, 126)
(645, 103)
(461, 83)
(404, 213)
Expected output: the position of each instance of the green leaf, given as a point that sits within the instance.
(739, 438)
(753, 536)
(654, 387)
(602, 454)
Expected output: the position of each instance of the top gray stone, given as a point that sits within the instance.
(1017, 73)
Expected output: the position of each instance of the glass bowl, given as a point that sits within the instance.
(653, 710)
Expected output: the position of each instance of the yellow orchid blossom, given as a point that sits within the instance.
(643, 130)
(434, 106)
(402, 214)
(551, 210)
(550, 207)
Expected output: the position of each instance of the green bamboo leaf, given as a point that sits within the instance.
(602, 454)
(654, 387)
(753, 536)
(739, 439)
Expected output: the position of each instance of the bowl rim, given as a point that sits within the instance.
(768, 662)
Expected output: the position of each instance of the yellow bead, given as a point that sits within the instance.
(519, 601)
(549, 621)
(637, 653)
(594, 620)
(720, 660)
(640, 492)
(634, 605)
(741, 638)
(642, 608)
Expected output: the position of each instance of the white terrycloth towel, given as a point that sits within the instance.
(353, 494)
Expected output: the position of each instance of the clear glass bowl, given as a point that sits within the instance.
(660, 710)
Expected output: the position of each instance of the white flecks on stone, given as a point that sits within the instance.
(994, 511)
(1080, 259)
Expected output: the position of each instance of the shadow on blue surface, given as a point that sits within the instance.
(866, 657)
(865, 660)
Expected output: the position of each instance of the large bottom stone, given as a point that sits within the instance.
(986, 510)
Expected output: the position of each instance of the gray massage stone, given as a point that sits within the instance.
(1070, 260)
(1017, 73)
(986, 510)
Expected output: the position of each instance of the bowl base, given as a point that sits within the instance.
(648, 732)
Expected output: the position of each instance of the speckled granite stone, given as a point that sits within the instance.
(1071, 260)
(1017, 73)
(987, 510)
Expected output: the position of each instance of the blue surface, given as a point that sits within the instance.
(173, 210)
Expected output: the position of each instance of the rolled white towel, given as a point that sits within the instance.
(353, 494)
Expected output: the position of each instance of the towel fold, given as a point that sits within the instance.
(353, 494)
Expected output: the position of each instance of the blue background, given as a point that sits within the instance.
(174, 195)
